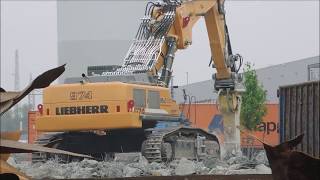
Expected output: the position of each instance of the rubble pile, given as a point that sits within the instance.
(139, 166)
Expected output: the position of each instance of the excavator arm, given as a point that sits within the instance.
(165, 28)
(226, 78)
(180, 37)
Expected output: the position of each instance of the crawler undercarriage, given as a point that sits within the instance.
(157, 145)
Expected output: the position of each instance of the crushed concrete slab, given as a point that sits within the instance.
(185, 167)
(237, 160)
(131, 172)
(263, 169)
(89, 163)
(234, 167)
(127, 157)
(219, 170)
(112, 170)
(200, 168)
(12, 161)
(161, 172)
(143, 161)
(241, 171)
(214, 162)
(261, 158)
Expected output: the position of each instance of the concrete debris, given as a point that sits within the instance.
(261, 158)
(111, 169)
(126, 157)
(237, 160)
(143, 161)
(219, 170)
(131, 172)
(240, 171)
(89, 163)
(134, 165)
(185, 167)
(262, 169)
(12, 161)
(234, 167)
(201, 169)
(214, 162)
(161, 172)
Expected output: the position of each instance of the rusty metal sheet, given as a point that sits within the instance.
(14, 136)
(7, 96)
(8, 146)
(299, 113)
(9, 99)
(203, 177)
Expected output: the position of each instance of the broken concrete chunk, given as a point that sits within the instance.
(161, 172)
(131, 172)
(234, 167)
(262, 169)
(89, 163)
(214, 162)
(185, 167)
(241, 171)
(200, 168)
(261, 158)
(127, 157)
(143, 161)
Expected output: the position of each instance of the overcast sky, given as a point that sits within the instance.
(266, 33)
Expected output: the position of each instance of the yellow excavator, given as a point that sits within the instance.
(129, 108)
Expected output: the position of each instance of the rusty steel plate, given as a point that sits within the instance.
(8, 146)
(9, 99)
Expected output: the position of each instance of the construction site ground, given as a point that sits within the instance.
(135, 165)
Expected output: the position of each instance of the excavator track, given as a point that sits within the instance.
(152, 148)
(163, 145)
(101, 147)
(43, 140)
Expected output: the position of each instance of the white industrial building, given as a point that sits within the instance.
(271, 77)
(95, 32)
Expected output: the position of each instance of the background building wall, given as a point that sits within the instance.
(285, 74)
(95, 32)
(270, 77)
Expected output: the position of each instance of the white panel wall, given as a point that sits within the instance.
(95, 32)
(270, 77)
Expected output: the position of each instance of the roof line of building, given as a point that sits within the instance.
(318, 56)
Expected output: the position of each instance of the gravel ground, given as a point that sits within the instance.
(137, 165)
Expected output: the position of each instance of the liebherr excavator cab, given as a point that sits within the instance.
(129, 109)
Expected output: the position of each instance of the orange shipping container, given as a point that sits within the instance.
(204, 116)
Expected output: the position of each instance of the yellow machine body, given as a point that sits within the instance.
(101, 106)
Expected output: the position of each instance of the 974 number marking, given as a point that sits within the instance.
(80, 95)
